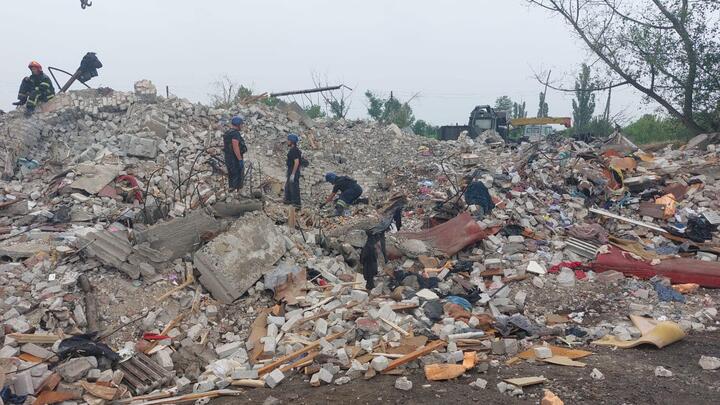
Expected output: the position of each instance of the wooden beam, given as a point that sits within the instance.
(34, 338)
(629, 220)
(414, 355)
(272, 366)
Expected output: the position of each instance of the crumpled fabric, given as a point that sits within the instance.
(666, 293)
(699, 229)
(506, 325)
(457, 312)
(85, 345)
(460, 301)
(589, 232)
(10, 398)
(570, 265)
(433, 310)
(477, 194)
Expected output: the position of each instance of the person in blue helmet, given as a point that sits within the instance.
(349, 190)
(292, 185)
(234, 148)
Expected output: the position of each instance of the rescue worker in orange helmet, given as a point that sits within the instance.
(34, 89)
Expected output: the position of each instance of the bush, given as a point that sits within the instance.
(314, 111)
(653, 129)
(422, 128)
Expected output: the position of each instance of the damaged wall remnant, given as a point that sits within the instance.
(180, 236)
(235, 260)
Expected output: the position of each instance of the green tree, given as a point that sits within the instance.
(652, 128)
(584, 103)
(518, 110)
(543, 108)
(389, 110)
(375, 106)
(668, 50)
(314, 111)
(228, 93)
(503, 103)
(423, 128)
(338, 108)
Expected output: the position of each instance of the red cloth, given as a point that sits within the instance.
(133, 183)
(454, 235)
(679, 271)
(570, 265)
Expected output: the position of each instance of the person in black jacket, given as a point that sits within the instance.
(292, 185)
(34, 89)
(234, 149)
(349, 190)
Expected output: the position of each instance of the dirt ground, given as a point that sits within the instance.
(629, 379)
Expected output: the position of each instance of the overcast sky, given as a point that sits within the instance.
(453, 54)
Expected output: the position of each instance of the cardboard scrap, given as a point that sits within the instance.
(525, 381)
(563, 361)
(469, 360)
(440, 372)
(100, 391)
(659, 334)
(551, 399)
(573, 354)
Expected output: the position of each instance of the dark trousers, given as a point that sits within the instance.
(292, 190)
(349, 196)
(235, 173)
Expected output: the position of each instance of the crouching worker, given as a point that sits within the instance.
(349, 190)
(34, 89)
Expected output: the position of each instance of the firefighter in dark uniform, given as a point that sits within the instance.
(234, 149)
(349, 190)
(34, 89)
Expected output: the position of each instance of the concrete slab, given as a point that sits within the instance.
(232, 262)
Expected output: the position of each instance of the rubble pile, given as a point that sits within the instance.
(129, 271)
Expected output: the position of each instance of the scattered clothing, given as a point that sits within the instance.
(477, 194)
(589, 232)
(666, 293)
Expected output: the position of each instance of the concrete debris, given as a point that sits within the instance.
(126, 190)
(231, 263)
(403, 384)
(709, 363)
(661, 371)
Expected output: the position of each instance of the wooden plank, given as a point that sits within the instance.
(415, 354)
(34, 338)
(49, 383)
(248, 383)
(192, 397)
(54, 397)
(305, 361)
(273, 365)
(629, 220)
(396, 327)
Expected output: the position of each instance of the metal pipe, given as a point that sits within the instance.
(307, 91)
